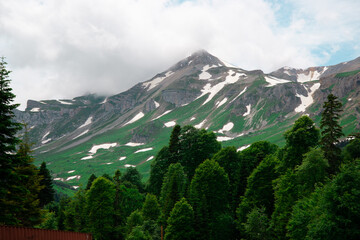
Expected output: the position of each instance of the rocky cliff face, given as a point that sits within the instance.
(201, 90)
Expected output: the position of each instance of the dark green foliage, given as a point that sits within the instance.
(352, 150)
(151, 208)
(181, 222)
(259, 192)
(208, 196)
(100, 204)
(46, 195)
(60, 220)
(332, 211)
(158, 169)
(257, 225)
(8, 141)
(286, 195)
(190, 147)
(299, 139)
(249, 159)
(173, 188)
(76, 213)
(138, 234)
(196, 146)
(174, 144)
(24, 193)
(228, 158)
(90, 181)
(130, 200)
(294, 185)
(311, 171)
(152, 229)
(331, 131)
(135, 219)
(133, 177)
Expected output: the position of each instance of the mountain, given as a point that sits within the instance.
(94, 134)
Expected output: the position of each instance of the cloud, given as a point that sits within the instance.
(63, 49)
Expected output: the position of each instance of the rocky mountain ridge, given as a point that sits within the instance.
(240, 106)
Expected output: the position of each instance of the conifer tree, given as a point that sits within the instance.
(151, 208)
(90, 181)
(46, 194)
(8, 141)
(331, 131)
(209, 198)
(174, 144)
(181, 222)
(133, 177)
(27, 189)
(173, 188)
(100, 203)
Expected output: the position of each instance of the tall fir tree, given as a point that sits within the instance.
(26, 191)
(181, 222)
(46, 194)
(8, 141)
(90, 181)
(173, 188)
(331, 131)
(209, 198)
(100, 204)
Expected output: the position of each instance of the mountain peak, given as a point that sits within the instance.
(198, 58)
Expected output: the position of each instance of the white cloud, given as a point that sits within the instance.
(62, 49)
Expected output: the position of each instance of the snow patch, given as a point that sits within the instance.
(166, 112)
(198, 126)
(222, 139)
(248, 109)
(153, 83)
(83, 133)
(132, 144)
(134, 119)
(307, 100)
(109, 163)
(71, 171)
(244, 90)
(59, 179)
(274, 81)
(122, 158)
(63, 102)
(45, 135)
(243, 148)
(144, 150)
(73, 177)
(218, 104)
(87, 122)
(129, 165)
(349, 99)
(87, 157)
(193, 118)
(46, 141)
(150, 158)
(226, 127)
(105, 100)
(95, 148)
(35, 110)
(75, 187)
(170, 124)
(231, 78)
(156, 104)
(311, 76)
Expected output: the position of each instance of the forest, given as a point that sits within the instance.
(308, 189)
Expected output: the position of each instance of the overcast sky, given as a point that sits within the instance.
(63, 49)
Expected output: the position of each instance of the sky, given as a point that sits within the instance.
(64, 49)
